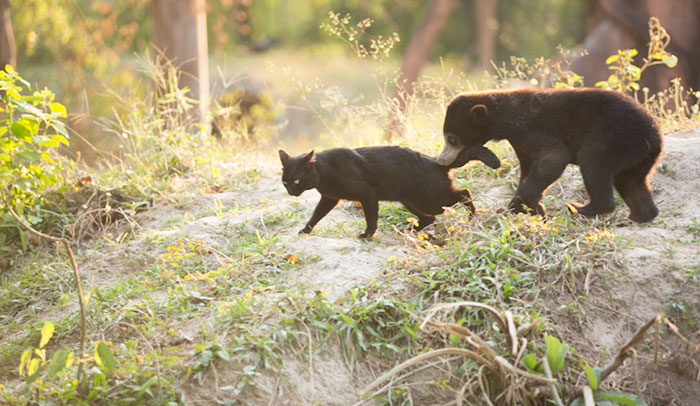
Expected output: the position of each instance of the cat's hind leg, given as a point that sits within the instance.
(465, 197)
(424, 220)
(324, 206)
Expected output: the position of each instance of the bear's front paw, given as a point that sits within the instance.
(305, 230)
(366, 235)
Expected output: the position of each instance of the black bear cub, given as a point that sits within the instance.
(612, 138)
(371, 174)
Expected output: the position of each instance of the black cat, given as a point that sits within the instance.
(371, 174)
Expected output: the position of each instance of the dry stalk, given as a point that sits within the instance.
(588, 396)
(495, 313)
(552, 386)
(677, 332)
(420, 358)
(76, 274)
(511, 331)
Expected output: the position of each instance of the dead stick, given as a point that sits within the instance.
(76, 274)
(677, 332)
(511, 331)
(625, 351)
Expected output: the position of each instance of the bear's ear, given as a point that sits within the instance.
(284, 157)
(478, 113)
(310, 157)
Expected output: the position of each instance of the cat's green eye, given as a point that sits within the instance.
(284, 182)
(296, 182)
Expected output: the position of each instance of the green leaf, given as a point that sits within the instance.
(624, 398)
(33, 366)
(611, 59)
(578, 402)
(37, 372)
(51, 143)
(223, 354)
(146, 385)
(20, 130)
(26, 356)
(9, 69)
(670, 60)
(530, 362)
(60, 128)
(603, 402)
(58, 108)
(59, 361)
(46, 333)
(105, 358)
(593, 375)
(556, 354)
(61, 139)
(28, 155)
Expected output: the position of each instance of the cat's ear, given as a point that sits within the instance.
(284, 157)
(310, 157)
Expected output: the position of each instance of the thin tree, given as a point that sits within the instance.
(422, 41)
(180, 34)
(8, 49)
(486, 26)
(417, 52)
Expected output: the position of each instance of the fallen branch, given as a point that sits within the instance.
(627, 349)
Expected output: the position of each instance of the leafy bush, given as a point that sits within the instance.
(30, 133)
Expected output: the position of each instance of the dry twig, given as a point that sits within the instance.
(76, 274)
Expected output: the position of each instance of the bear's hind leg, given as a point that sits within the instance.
(599, 185)
(633, 186)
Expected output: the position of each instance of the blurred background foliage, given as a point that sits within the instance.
(83, 48)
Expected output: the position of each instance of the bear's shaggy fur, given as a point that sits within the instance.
(610, 136)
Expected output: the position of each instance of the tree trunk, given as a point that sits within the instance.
(486, 26)
(416, 54)
(418, 49)
(180, 33)
(8, 50)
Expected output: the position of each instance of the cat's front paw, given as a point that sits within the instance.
(305, 230)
